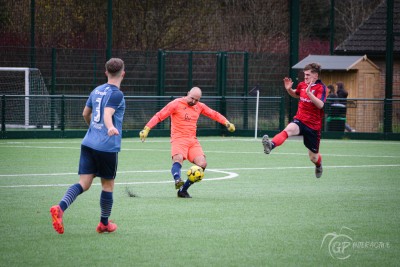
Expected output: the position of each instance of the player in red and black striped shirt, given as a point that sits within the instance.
(312, 95)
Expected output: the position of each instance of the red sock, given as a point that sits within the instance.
(280, 138)
(318, 163)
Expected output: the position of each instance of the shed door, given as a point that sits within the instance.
(369, 111)
(369, 84)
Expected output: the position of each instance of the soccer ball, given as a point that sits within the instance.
(195, 174)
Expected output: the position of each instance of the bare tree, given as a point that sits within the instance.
(351, 14)
(252, 25)
(166, 24)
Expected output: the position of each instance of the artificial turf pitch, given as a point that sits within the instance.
(251, 209)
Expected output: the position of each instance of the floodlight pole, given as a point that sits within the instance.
(294, 48)
(332, 27)
(389, 69)
(109, 30)
(33, 49)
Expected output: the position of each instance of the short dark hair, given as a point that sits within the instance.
(331, 88)
(314, 67)
(340, 85)
(114, 66)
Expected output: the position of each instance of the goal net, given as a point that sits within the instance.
(27, 104)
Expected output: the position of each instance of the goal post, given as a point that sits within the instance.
(26, 72)
(28, 109)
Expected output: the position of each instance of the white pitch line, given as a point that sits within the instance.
(72, 173)
(207, 139)
(210, 151)
(304, 154)
(44, 147)
(215, 170)
(311, 167)
(229, 175)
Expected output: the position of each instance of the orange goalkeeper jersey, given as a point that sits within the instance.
(184, 117)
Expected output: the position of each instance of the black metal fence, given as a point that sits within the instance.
(45, 115)
(154, 73)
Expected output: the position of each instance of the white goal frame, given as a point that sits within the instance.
(27, 72)
(256, 120)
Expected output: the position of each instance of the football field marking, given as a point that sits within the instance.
(211, 151)
(229, 174)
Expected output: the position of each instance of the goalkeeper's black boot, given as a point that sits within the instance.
(183, 194)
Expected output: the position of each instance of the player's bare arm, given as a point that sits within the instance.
(288, 83)
(108, 113)
(87, 114)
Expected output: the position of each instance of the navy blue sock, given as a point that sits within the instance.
(176, 170)
(186, 185)
(273, 145)
(72, 193)
(106, 203)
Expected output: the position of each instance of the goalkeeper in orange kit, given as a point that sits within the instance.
(184, 113)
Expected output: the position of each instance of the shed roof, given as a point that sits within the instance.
(370, 37)
(333, 62)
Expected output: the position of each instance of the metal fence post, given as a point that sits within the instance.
(387, 116)
(62, 113)
(218, 74)
(223, 111)
(190, 70)
(389, 67)
(223, 73)
(109, 29)
(294, 49)
(245, 90)
(282, 114)
(3, 113)
(94, 83)
(223, 84)
(33, 47)
(161, 72)
(53, 87)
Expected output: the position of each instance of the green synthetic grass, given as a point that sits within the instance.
(269, 211)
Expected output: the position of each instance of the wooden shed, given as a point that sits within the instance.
(361, 78)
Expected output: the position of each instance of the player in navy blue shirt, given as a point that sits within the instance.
(104, 113)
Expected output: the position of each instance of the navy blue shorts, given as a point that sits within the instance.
(101, 164)
(311, 138)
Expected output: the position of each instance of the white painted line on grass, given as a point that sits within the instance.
(229, 175)
(228, 172)
(312, 167)
(219, 152)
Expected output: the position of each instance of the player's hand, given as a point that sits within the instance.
(144, 133)
(288, 83)
(230, 126)
(309, 86)
(112, 131)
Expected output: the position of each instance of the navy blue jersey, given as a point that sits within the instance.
(103, 96)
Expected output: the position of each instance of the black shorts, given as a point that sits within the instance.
(311, 138)
(101, 164)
